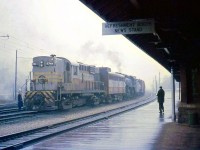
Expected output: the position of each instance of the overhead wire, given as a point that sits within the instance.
(16, 43)
(9, 47)
(29, 45)
(14, 46)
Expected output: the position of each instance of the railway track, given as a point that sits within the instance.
(25, 138)
(8, 110)
(11, 116)
(10, 105)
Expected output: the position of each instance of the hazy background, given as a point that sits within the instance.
(69, 29)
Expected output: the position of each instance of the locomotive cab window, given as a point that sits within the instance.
(35, 64)
(67, 66)
(75, 70)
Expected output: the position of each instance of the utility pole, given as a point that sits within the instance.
(16, 76)
(159, 79)
(26, 88)
(30, 75)
(153, 86)
(156, 83)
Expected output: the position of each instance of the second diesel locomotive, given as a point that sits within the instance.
(61, 84)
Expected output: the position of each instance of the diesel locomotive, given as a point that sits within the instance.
(58, 83)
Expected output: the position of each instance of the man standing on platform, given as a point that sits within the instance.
(161, 95)
(20, 102)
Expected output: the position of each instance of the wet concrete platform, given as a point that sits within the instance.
(141, 129)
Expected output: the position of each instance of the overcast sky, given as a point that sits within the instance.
(69, 29)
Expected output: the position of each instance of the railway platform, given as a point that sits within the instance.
(143, 128)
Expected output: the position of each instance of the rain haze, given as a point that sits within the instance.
(68, 29)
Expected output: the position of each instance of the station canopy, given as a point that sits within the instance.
(176, 40)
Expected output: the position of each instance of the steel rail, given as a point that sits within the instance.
(22, 139)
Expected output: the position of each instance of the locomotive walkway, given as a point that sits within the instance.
(140, 129)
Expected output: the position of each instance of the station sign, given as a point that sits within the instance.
(141, 26)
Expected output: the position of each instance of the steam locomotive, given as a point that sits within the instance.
(58, 83)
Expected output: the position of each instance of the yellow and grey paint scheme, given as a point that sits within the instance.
(50, 81)
(51, 77)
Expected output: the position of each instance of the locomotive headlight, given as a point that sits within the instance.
(41, 64)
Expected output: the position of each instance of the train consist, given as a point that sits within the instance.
(58, 83)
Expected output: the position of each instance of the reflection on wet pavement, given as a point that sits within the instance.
(133, 130)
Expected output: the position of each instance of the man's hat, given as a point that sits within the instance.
(20, 91)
